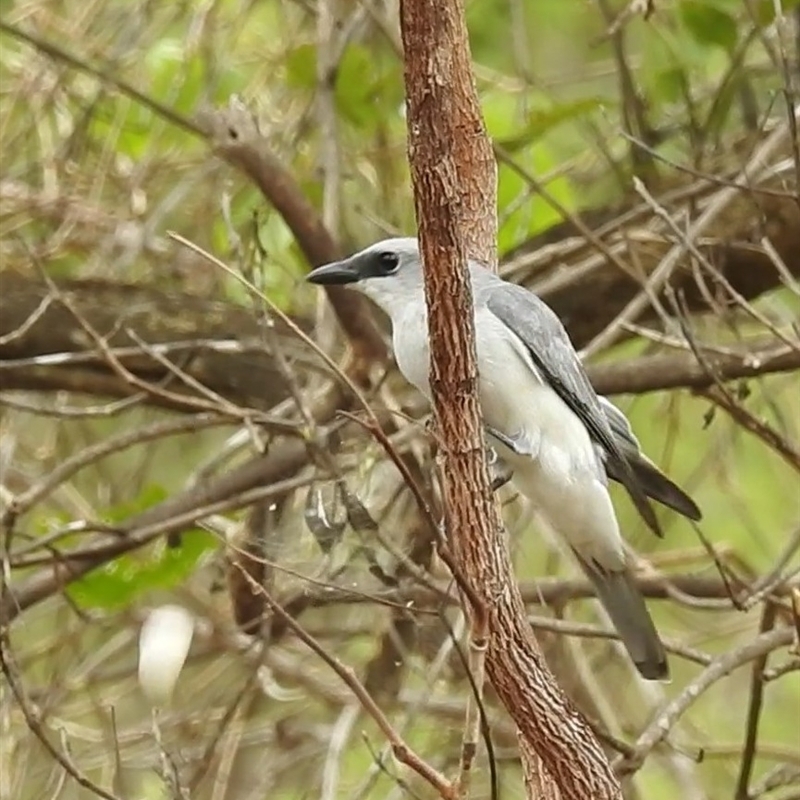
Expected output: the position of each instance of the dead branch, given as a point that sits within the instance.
(216, 344)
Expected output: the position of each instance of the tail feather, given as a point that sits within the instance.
(620, 596)
(654, 483)
(657, 485)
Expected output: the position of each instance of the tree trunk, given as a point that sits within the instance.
(454, 189)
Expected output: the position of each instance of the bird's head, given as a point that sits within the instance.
(388, 272)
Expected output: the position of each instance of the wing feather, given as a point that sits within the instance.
(551, 350)
(654, 482)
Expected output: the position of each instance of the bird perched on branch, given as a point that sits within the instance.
(562, 441)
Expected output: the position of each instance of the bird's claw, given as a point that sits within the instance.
(499, 472)
(512, 444)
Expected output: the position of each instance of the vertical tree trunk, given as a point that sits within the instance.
(453, 173)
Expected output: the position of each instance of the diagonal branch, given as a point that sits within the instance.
(235, 137)
(658, 730)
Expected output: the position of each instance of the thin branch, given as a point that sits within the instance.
(663, 271)
(231, 491)
(761, 429)
(660, 727)
(235, 137)
(402, 751)
(35, 726)
(762, 356)
(114, 444)
(754, 711)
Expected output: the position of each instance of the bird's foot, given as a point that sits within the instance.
(516, 444)
(499, 472)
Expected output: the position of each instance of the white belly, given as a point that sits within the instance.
(562, 474)
(513, 398)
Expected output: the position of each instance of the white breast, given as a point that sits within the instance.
(514, 400)
(562, 475)
(410, 345)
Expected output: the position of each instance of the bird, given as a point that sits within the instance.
(562, 442)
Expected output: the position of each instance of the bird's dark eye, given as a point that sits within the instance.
(388, 263)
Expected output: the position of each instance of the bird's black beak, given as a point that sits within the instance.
(339, 272)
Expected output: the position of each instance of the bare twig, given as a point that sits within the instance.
(670, 261)
(402, 751)
(35, 726)
(660, 727)
(78, 461)
(754, 711)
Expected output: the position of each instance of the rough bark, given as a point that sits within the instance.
(455, 215)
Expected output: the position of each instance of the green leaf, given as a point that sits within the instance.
(709, 24)
(158, 566)
(536, 152)
(301, 67)
(670, 84)
(543, 120)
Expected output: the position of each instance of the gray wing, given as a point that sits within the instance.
(549, 346)
(619, 424)
(654, 482)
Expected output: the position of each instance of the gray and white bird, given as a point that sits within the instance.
(543, 417)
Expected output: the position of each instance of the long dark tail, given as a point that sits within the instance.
(657, 485)
(620, 596)
(654, 483)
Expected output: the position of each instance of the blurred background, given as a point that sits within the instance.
(137, 375)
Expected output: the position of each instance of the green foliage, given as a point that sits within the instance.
(128, 125)
(367, 87)
(709, 23)
(301, 67)
(160, 565)
(523, 213)
(127, 578)
(99, 164)
(176, 77)
(539, 122)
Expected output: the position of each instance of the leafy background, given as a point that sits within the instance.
(93, 178)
